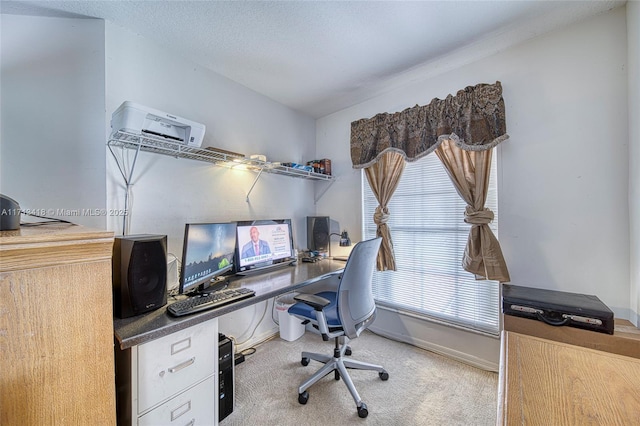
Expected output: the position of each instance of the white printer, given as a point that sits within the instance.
(135, 118)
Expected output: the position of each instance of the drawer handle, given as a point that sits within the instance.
(182, 365)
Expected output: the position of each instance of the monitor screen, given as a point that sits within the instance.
(263, 243)
(207, 253)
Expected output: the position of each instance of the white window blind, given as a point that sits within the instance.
(429, 236)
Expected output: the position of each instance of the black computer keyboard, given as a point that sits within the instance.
(208, 301)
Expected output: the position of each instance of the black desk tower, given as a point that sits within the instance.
(225, 379)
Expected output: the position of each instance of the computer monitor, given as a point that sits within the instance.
(207, 254)
(263, 244)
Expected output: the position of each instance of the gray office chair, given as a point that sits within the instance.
(342, 315)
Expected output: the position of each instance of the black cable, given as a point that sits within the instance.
(50, 220)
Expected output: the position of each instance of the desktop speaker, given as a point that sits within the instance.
(139, 274)
(318, 233)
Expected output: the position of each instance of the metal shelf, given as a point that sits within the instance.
(148, 143)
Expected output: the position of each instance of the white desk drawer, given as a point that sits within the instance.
(193, 407)
(168, 365)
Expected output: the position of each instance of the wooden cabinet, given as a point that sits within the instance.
(170, 380)
(543, 382)
(625, 339)
(56, 326)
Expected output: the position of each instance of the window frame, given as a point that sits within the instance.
(475, 288)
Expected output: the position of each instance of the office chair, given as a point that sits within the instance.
(342, 315)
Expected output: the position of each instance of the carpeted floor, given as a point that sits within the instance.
(423, 388)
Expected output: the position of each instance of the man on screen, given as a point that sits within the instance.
(256, 246)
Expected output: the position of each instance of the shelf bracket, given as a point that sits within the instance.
(127, 181)
(315, 201)
(254, 183)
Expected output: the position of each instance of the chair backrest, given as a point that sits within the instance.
(356, 306)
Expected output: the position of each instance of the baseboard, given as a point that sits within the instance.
(420, 343)
(440, 350)
(256, 340)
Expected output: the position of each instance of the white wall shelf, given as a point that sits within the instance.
(210, 155)
(157, 145)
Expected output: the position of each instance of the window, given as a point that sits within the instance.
(429, 236)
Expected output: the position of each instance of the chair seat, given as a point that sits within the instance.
(301, 309)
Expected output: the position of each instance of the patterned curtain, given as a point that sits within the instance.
(383, 178)
(469, 172)
(472, 120)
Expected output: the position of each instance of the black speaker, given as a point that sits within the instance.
(139, 274)
(318, 233)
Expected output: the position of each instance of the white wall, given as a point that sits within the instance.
(52, 79)
(61, 81)
(633, 39)
(563, 199)
(169, 192)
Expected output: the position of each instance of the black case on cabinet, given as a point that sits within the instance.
(557, 308)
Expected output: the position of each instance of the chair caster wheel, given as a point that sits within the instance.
(362, 411)
(303, 397)
(348, 351)
(384, 375)
(304, 361)
(336, 375)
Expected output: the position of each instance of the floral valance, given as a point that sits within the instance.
(474, 119)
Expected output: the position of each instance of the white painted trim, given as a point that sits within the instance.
(441, 350)
(479, 350)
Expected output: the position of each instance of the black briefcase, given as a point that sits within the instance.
(557, 308)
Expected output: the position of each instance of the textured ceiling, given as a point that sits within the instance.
(318, 56)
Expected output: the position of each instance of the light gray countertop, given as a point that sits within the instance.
(144, 328)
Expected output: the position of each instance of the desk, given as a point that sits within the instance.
(543, 382)
(166, 367)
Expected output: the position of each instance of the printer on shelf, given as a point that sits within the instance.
(135, 118)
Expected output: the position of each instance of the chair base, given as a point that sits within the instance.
(339, 364)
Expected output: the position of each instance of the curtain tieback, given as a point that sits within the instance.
(381, 215)
(477, 217)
